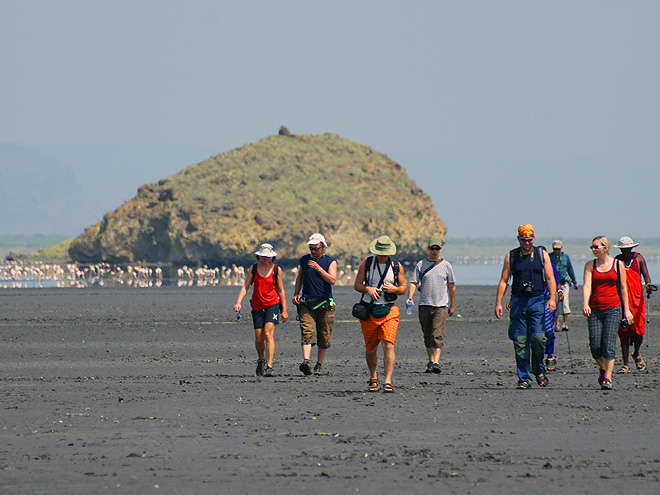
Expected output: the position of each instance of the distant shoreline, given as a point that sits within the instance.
(457, 250)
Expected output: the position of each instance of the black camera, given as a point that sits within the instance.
(528, 288)
(624, 323)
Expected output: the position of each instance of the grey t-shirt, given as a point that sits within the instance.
(434, 284)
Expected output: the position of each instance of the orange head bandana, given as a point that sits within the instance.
(526, 231)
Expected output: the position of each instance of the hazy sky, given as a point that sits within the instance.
(504, 112)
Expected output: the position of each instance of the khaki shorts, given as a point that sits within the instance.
(316, 324)
(563, 307)
(433, 321)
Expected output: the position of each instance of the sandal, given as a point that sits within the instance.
(542, 380)
(523, 385)
(623, 369)
(373, 385)
(388, 388)
(639, 362)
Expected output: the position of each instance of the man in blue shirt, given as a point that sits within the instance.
(567, 279)
(531, 270)
(313, 297)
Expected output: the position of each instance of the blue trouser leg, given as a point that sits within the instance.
(527, 333)
(550, 343)
(549, 325)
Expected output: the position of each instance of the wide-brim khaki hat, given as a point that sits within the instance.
(383, 246)
(626, 242)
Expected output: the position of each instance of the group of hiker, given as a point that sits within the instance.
(380, 280)
(613, 302)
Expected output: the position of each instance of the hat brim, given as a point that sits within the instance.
(624, 246)
(317, 241)
(270, 254)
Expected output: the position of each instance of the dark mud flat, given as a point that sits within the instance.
(153, 391)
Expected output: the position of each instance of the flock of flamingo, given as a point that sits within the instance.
(20, 274)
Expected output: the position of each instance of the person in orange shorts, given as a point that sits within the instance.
(380, 279)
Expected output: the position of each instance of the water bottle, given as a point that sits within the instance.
(409, 305)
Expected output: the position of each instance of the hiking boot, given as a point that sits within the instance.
(306, 367)
(261, 363)
(429, 368)
(317, 368)
(269, 371)
(551, 364)
(435, 368)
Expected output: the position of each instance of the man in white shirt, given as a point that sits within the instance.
(435, 278)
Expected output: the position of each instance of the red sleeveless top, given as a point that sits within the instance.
(604, 288)
(265, 293)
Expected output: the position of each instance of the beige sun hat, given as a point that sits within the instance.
(266, 250)
(626, 242)
(383, 246)
(556, 244)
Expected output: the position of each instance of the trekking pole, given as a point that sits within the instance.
(568, 342)
(650, 288)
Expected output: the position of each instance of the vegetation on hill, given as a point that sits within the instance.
(278, 190)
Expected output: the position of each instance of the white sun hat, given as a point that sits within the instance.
(266, 250)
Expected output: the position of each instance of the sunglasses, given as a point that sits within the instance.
(593, 246)
(434, 248)
(526, 239)
(312, 248)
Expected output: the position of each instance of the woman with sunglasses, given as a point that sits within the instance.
(268, 305)
(604, 293)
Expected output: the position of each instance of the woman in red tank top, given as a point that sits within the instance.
(267, 298)
(604, 292)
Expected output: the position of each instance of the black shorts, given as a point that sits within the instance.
(270, 314)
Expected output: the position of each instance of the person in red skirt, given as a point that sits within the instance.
(635, 266)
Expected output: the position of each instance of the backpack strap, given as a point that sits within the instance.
(618, 279)
(435, 263)
(395, 269)
(393, 262)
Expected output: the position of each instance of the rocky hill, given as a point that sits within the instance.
(278, 190)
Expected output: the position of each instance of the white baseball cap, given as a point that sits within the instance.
(316, 238)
